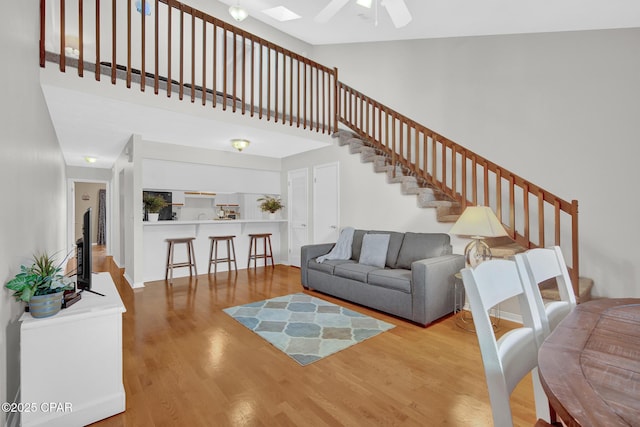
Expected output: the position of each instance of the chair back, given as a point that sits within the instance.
(543, 264)
(511, 357)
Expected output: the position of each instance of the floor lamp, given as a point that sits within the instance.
(478, 223)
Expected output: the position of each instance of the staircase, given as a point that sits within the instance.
(447, 209)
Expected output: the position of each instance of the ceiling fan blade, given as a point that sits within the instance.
(331, 9)
(398, 11)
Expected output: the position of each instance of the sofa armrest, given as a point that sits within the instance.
(309, 252)
(433, 282)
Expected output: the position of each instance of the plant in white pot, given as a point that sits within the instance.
(41, 285)
(270, 204)
(153, 205)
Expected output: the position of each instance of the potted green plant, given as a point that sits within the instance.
(152, 205)
(270, 204)
(41, 285)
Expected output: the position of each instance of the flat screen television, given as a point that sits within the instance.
(83, 253)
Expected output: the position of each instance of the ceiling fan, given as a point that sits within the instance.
(397, 10)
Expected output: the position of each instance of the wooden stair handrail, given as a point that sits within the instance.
(404, 139)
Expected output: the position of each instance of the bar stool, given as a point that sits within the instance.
(191, 261)
(253, 249)
(213, 253)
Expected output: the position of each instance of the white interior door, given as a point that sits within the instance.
(326, 203)
(298, 183)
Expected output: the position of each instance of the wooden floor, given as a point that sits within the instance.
(186, 363)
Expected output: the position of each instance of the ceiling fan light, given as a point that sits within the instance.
(238, 13)
(364, 3)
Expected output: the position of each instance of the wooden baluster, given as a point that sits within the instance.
(454, 171)
(244, 73)
(268, 83)
(464, 179)
(156, 76)
(556, 206)
(499, 194)
(525, 205)
(128, 43)
(169, 13)
(80, 38)
(284, 88)
(204, 61)
(512, 207)
(291, 91)
(443, 160)
(324, 102)
(63, 58)
(485, 197)
(224, 69)
(304, 96)
(275, 91)
(214, 66)
(43, 18)
(298, 93)
(317, 99)
(541, 242)
(434, 167)
(253, 67)
(114, 59)
(97, 73)
(260, 83)
(474, 180)
(575, 266)
(142, 45)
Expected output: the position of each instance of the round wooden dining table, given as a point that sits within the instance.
(590, 364)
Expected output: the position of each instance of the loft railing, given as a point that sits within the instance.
(168, 45)
(171, 47)
(533, 217)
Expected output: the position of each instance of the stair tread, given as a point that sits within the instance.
(550, 291)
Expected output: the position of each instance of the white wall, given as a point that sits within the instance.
(559, 109)
(32, 174)
(367, 201)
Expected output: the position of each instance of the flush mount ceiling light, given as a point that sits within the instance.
(240, 144)
(90, 159)
(238, 13)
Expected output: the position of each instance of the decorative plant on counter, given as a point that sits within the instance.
(270, 204)
(43, 277)
(153, 204)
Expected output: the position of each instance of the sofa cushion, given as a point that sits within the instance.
(395, 243)
(416, 246)
(356, 246)
(354, 271)
(329, 265)
(399, 280)
(374, 250)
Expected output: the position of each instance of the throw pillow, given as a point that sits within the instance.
(374, 250)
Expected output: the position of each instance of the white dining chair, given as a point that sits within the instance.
(541, 265)
(511, 357)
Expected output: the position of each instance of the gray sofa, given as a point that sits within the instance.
(416, 281)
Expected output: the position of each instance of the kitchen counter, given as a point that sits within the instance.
(155, 234)
(209, 221)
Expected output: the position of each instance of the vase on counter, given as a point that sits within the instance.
(153, 216)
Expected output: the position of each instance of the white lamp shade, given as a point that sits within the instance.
(478, 221)
(238, 13)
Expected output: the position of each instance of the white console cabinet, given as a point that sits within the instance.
(71, 363)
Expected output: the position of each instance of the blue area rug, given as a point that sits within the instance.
(307, 328)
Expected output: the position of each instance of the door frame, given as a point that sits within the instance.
(315, 200)
(290, 208)
(71, 211)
